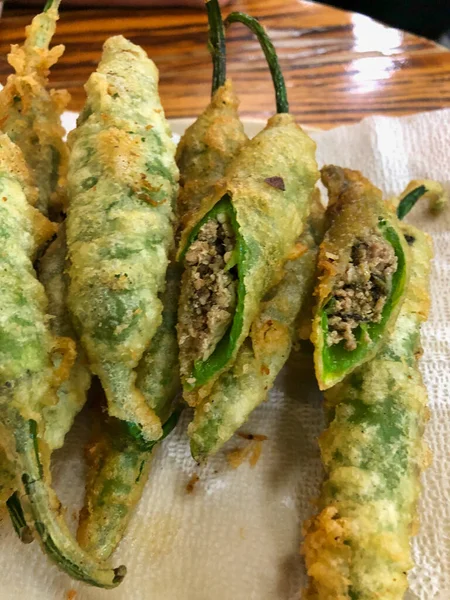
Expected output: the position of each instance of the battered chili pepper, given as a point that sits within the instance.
(33, 364)
(122, 190)
(236, 244)
(363, 271)
(72, 391)
(30, 114)
(241, 388)
(422, 188)
(358, 546)
(119, 466)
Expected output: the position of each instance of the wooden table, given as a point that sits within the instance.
(339, 66)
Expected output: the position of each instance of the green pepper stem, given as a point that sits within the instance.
(409, 201)
(216, 44)
(18, 519)
(269, 52)
(44, 512)
(51, 4)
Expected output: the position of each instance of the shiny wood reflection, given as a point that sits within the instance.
(339, 66)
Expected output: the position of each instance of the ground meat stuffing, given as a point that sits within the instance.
(211, 288)
(361, 294)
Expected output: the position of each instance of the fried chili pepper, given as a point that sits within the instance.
(358, 546)
(215, 138)
(118, 472)
(30, 114)
(240, 389)
(72, 391)
(33, 363)
(122, 190)
(235, 246)
(119, 467)
(363, 271)
(118, 464)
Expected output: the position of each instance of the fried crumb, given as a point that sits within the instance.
(265, 370)
(251, 452)
(298, 250)
(252, 436)
(256, 453)
(191, 483)
(238, 456)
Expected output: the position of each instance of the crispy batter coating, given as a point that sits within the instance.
(30, 114)
(358, 546)
(206, 149)
(117, 473)
(118, 467)
(32, 362)
(362, 271)
(72, 391)
(269, 219)
(122, 187)
(25, 342)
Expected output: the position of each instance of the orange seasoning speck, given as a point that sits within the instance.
(71, 594)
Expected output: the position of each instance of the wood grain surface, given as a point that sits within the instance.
(339, 66)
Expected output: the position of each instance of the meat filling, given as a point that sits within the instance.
(211, 289)
(359, 297)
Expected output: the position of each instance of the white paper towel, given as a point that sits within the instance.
(237, 536)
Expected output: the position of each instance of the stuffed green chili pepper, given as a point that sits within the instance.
(122, 189)
(362, 270)
(234, 248)
(30, 114)
(240, 389)
(118, 466)
(32, 367)
(358, 546)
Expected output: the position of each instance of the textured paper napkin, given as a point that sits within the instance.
(237, 535)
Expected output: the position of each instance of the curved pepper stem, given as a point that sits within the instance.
(417, 189)
(408, 202)
(51, 4)
(269, 52)
(43, 511)
(216, 44)
(18, 520)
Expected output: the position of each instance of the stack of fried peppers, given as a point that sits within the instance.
(190, 271)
